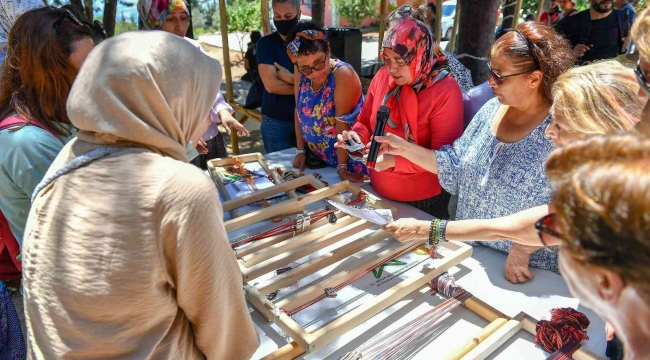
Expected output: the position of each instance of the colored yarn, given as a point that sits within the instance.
(567, 326)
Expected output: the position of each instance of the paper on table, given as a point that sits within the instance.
(376, 216)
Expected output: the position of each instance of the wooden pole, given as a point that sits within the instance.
(540, 8)
(515, 20)
(382, 24)
(223, 17)
(454, 31)
(439, 20)
(266, 21)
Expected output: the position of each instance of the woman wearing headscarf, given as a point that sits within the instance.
(426, 108)
(497, 166)
(137, 263)
(10, 10)
(174, 17)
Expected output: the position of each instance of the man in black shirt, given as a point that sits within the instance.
(598, 33)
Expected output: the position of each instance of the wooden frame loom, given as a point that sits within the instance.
(276, 252)
(214, 164)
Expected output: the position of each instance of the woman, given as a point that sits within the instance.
(323, 108)
(10, 11)
(426, 107)
(601, 197)
(136, 262)
(173, 16)
(45, 49)
(41, 65)
(497, 166)
(596, 99)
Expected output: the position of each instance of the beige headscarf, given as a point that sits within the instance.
(148, 88)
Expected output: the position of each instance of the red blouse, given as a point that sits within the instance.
(440, 122)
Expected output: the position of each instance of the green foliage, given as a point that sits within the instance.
(357, 10)
(531, 6)
(124, 26)
(244, 15)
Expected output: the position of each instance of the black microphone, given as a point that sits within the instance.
(383, 113)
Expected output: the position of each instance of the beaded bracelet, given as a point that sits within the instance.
(443, 229)
(431, 226)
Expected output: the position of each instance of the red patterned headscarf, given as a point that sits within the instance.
(413, 41)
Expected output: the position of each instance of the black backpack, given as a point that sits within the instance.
(623, 27)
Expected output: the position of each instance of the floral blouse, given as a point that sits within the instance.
(316, 114)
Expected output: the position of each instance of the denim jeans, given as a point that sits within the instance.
(277, 135)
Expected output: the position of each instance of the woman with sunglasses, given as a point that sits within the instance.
(596, 99)
(46, 48)
(426, 108)
(323, 109)
(497, 166)
(173, 16)
(601, 196)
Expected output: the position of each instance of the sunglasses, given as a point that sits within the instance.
(640, 76)
(498, 79)
(546, 227)
(97, 28)
(308, 70)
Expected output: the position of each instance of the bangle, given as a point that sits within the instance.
(443, 230)
(300, 151)
(341, 166)
(431, 226)
(436, 232)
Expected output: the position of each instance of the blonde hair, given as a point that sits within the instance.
(599, 98)
(641, 34)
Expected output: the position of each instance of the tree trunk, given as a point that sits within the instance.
(190, 29)
(88, 10)
(318, 12)
(110, 10)
(476, 36)
(509, 14)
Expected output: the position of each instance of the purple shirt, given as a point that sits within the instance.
(219, 104)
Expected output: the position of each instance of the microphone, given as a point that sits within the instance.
(382, 118)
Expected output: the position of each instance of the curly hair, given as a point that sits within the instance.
(308, 47)
(551, 49)
(601, 194)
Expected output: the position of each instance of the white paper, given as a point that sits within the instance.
(376, 216)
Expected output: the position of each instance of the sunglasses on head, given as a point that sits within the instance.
(97, 28)
(640, 76)
(546, 228)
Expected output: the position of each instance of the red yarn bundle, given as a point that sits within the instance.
(567, 326)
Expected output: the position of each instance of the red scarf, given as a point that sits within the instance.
(413, 42)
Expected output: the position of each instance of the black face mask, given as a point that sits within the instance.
(284, 26)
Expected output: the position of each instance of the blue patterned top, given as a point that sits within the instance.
(494, 179)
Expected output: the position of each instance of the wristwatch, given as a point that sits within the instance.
(300, 151)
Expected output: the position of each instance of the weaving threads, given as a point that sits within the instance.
(567, 327)
(389, 345)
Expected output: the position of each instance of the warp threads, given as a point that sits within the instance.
(566, 327)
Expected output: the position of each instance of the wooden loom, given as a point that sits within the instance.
(276, 252)
(500, 329)
(215, 164)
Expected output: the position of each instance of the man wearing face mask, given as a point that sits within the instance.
(276, 71)
(597, 33)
